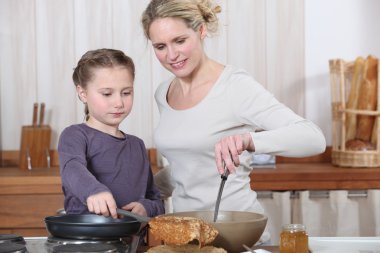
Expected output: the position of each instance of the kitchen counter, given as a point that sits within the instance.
(337, 245)
(316, 245)
(310, 173)
(16, 181)
(26, 198)
(285, 176)
(314, 176)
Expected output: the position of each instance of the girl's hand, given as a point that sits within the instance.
(228, 149)
(102, 203)
(135, 207)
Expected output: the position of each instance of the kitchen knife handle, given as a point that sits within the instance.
(35, 112)
(42, 113)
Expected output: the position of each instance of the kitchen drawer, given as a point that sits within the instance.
(28, 210)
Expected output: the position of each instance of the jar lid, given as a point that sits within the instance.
(294, 227)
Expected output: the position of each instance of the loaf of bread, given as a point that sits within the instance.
(189, 248)
(359, 145)
(175, 230)
(352, 102)
(367, 99)
(374, 132)
(374, 78)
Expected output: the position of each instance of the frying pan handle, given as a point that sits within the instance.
(133, 215)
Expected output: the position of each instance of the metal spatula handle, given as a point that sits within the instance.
(133, 215)
(224, 178)
(226, 173)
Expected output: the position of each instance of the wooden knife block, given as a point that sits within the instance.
(35, 145)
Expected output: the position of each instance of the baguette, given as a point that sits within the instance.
(374, 132)
(358, 145)
(352, 102)
(375, 127)
(367, 99)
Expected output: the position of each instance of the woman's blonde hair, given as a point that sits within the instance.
(193, 12)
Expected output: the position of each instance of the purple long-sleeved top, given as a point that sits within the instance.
(92, 161)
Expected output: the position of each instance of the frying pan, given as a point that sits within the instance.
(92, 226)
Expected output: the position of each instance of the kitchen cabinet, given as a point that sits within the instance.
(26, 198)
(301, 190)
(321, 196)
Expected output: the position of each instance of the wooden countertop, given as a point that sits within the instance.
(314, 176)
(310, 173)
(16, 181)
(285, 176)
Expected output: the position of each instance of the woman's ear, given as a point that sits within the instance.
(82, 94)
(203, 31)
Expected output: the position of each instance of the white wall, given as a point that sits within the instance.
(342, 29)
(285, 45)
(41, 41)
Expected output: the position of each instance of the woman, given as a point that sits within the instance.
(213, 114)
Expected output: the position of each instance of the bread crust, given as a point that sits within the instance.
(174, 230)
(367, 99)
(189, 248)
(352, 102)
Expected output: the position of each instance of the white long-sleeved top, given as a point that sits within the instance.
(235, 104)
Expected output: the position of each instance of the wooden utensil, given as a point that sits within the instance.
(35, 142)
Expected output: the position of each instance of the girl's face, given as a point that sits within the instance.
(178, 47)
(109, 97)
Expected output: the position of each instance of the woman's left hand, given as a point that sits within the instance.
(135, 207)
(228, 149)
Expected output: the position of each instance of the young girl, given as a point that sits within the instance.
(103, 168)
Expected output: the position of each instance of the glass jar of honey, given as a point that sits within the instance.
(294, 239)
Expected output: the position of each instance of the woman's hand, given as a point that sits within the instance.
(102, 203)
(228, 149)
(135, 207)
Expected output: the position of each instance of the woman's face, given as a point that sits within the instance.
(178, 47)
(109, 96)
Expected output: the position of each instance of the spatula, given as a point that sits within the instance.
(222, 182)
(138, 217)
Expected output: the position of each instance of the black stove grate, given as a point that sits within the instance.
(11, 238)
(12, 247)
(60, 240)
(85, 248)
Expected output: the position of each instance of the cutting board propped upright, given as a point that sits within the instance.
(35, 142)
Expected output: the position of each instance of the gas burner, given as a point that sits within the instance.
(65, 245)
(11, 238)
(60, 240)
(85, 248)
(12, 247)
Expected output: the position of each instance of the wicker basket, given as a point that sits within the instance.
(341, 77)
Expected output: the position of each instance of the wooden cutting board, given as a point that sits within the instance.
(35, 142)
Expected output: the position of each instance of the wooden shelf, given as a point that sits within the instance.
(314, 176)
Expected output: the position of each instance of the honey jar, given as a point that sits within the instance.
(294, 239)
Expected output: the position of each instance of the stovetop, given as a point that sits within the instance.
(55, 245)
(11, 243)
